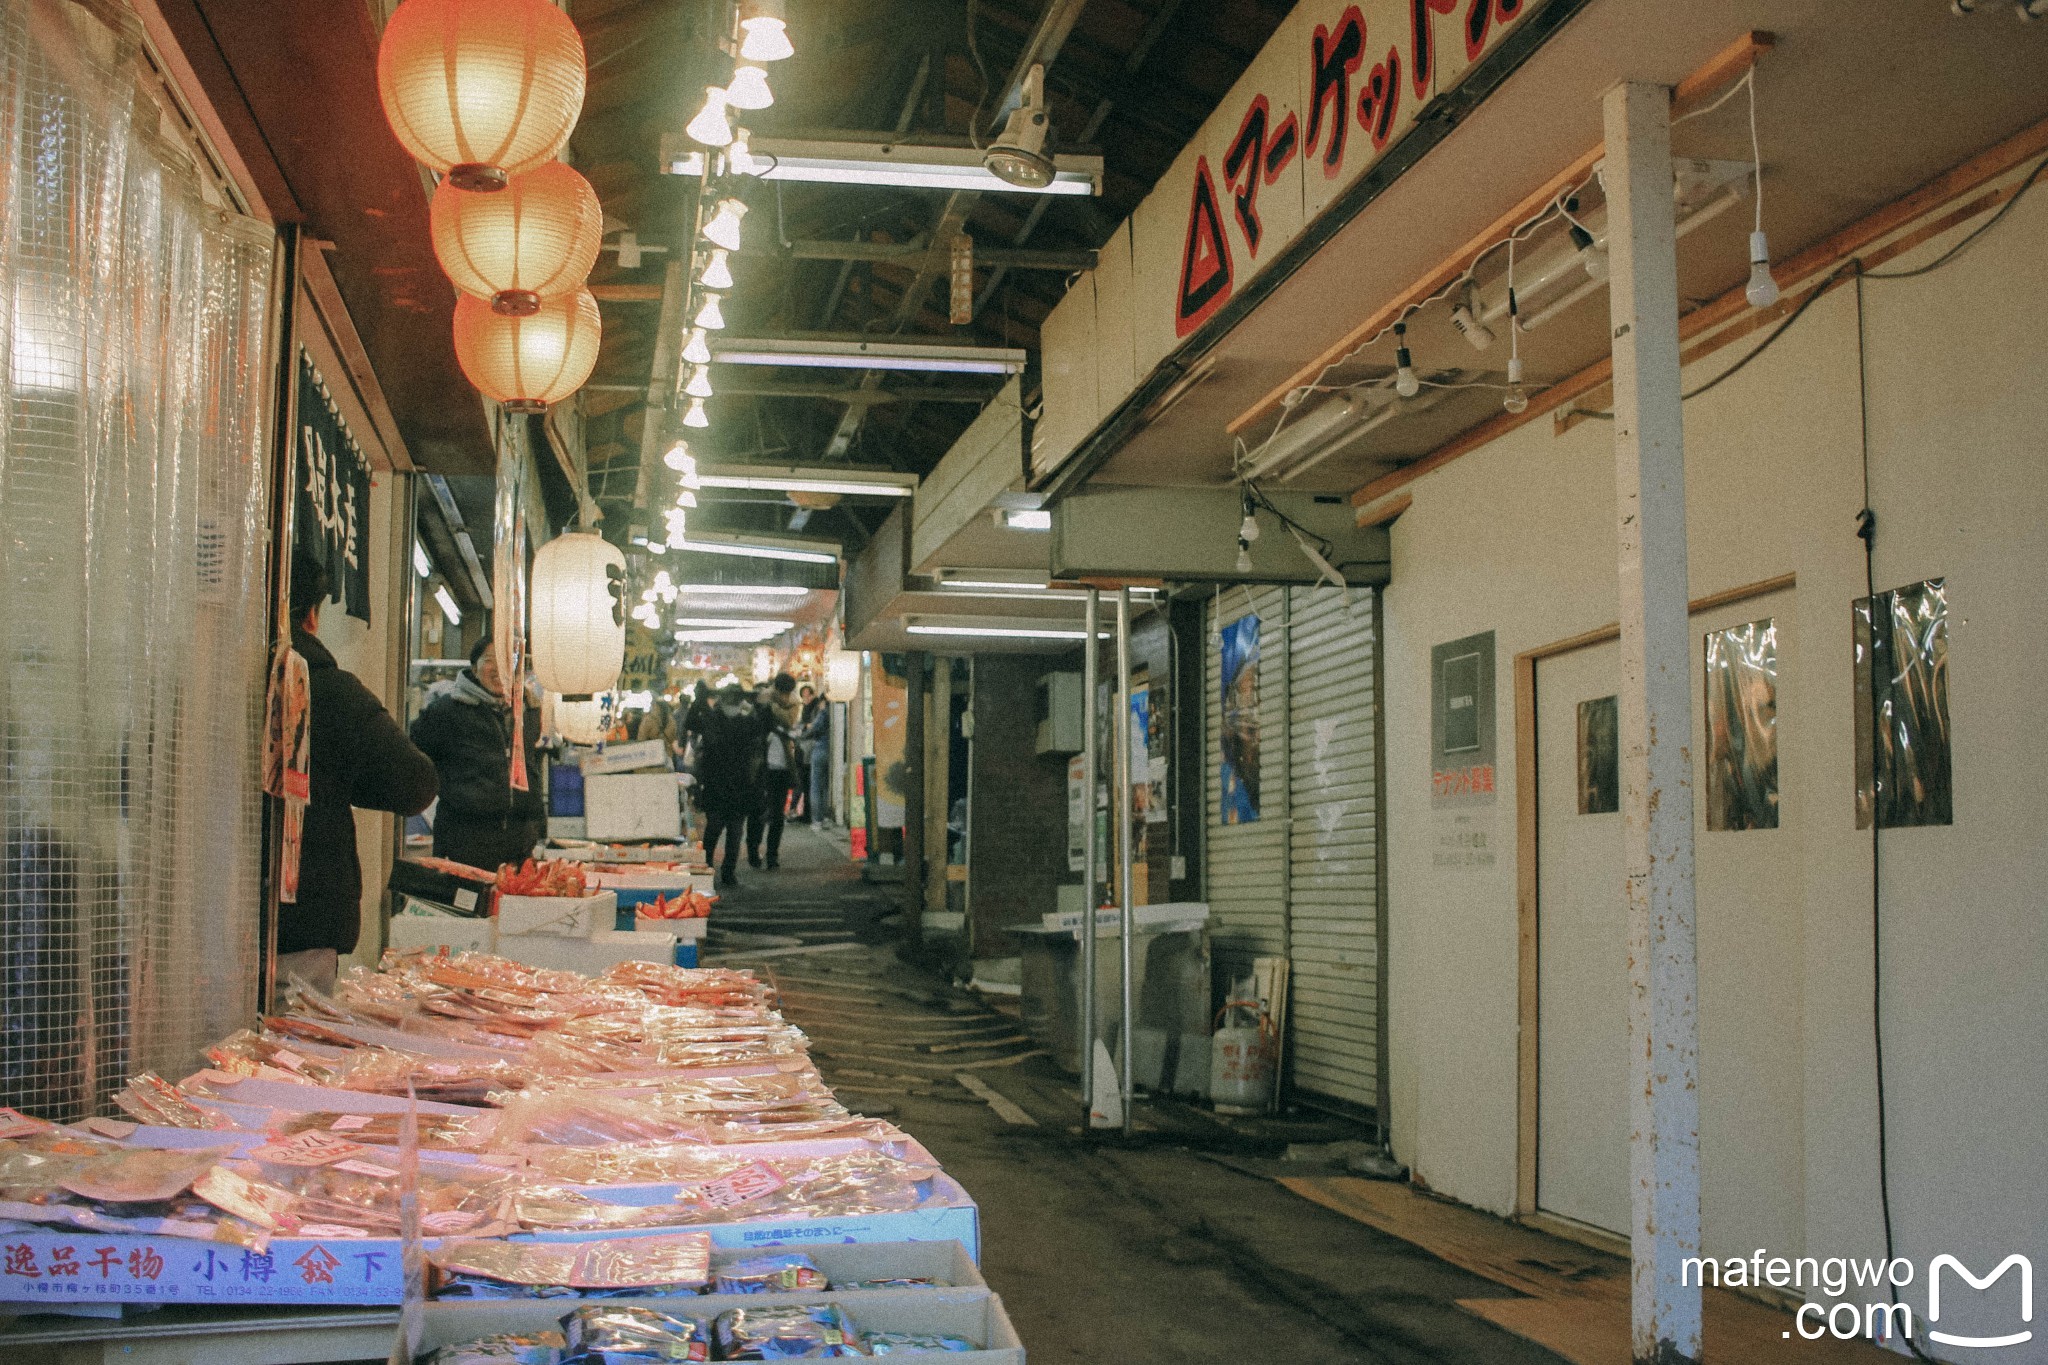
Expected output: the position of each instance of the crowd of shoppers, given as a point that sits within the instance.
(757, 762)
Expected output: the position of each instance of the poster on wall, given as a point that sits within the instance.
(1742, 727)
(891, 713)
(333, 517)
(1240, 730)
(1077, 814)
(1154, 768)
(1903, 763)
(1599, 756)
(1461, 752)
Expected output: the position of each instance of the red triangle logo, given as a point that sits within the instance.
(1205, 275)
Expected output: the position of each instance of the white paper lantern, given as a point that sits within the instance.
(579, 722)
(576, 614)
(842, 676)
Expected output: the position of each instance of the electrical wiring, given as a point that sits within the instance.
(1958, 249)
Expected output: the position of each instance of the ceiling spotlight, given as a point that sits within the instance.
(1405, 382)
(749, 89)
(711, 127)
(739, 157)
(1018, 155)
(700, 382)
(724, 227)
(678, 457)
(766, 35)
(717, 275)
(695, 417)
(686, 501)
(1466, 315)
(711, 317)
(697, 351)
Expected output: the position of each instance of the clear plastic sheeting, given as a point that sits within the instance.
(1903, 772)
(1742, 726)
(132, 601)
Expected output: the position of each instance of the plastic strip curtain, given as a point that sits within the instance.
(132, 550)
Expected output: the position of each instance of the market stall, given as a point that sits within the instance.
(559, 1162)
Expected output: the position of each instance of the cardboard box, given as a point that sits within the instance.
(946, 1264)
(626, 758)
(562, 916)
(975, 1314)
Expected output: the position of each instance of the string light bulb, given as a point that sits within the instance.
(1244, 555)
(678, 457)
(1248, 529)
(711, 317)
(1405, 382)
(749, 89)
(1517, 399)
(724, 227)
(685, 500)
(718, 274)
(696, 416)
(713, 125)
(700, 382)
(1592, 256)
(765, 34)
(1762, 290)
(696, 351)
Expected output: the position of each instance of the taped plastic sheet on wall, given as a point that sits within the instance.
(133, 538)
(1903, 773)
(1742, 726)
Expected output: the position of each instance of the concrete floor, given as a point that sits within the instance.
(1177, 1246)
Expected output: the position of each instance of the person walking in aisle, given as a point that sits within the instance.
(466, 728)
(780, 713)
(800, 750)
(816, 740)
(729, 775)
(360, 758)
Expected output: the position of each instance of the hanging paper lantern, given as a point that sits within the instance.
(537, 239)
(576, 618)
(481, 89)
(579, 722)
(842, 675)
(528, 363)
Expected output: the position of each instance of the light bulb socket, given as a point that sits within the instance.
(477, 178)
(1759, 248)
(515, 303)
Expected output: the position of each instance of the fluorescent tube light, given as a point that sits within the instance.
(786, 484)
(905, 166)
(994, 583)
(754, 551)
(1016, 520)
(744, 589)
(868, 355)
(448, 607)
(1001, 632)
(420, 563)
(733, 623)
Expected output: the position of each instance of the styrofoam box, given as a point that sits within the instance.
(456, 933)
(632, 806)
(685, 930)
(562, 916)
(975, 1314)
(624, 758)
(591, 956)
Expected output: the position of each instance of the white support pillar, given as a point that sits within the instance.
(1656, 727)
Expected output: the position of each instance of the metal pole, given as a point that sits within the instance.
(1656, 728)
(1120, 802)
(1091, 860)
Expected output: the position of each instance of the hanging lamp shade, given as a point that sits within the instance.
(576, 615)
(579, 722)
(528, 363)
(536, 239)
(842, 675)
(481, 89)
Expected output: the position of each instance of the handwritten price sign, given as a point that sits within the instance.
(750, 1182)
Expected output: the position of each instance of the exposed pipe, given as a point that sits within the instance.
(1120, 802)
(1090, 859)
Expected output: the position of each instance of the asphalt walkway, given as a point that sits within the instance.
(1176, 1246)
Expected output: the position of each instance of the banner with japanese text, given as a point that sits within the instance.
(333, 517)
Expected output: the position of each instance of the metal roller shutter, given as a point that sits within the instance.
(1246, 864)
(1332, 881)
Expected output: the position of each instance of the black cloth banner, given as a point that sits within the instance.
(334, 494)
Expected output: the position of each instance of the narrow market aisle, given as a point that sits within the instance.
(1150, 1252)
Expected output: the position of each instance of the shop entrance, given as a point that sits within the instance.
(1747, 832)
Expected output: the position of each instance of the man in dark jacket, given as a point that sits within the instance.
(360, 759)
(729, 775)
(466, 728)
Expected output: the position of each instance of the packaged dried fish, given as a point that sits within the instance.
(673, 1263)
(618, 1334)
(813, 1332)
(140, 1175)
(783, 1273)
(506, 1348)
(912, 1343)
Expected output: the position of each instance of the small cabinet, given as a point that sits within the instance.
(1059, 713)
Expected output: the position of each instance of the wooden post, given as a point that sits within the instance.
(1656, 727)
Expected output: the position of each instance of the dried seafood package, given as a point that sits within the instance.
(675, 1263)
(619, 1334)
(812, 1332)
(437, 1132)
(149, 1098)
(506, 1348)
(139, 1175)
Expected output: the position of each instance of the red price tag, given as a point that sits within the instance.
(750, 1182)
